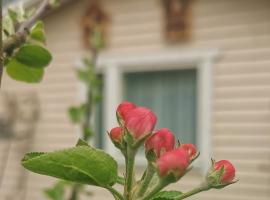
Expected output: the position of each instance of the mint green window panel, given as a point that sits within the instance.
(100, 132)
(171, 95)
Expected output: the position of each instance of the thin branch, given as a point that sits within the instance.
(19, 37)
(44, 6)
(1, 44)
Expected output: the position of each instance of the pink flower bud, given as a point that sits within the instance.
(160, 142)
(116, 134)
(124, 108)
(190, 149)
(140, 122)
(175, 161)
(229, 171)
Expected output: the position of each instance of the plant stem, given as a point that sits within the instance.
(1, 44)
(161, 184)
(115, 193)
(203, 187)
(19, 37)
(130, 159)
(148, 177)
(86, 124)
(74, 192)
(120, 180)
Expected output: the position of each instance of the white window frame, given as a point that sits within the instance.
(114, 66)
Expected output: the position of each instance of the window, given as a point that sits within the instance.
(188, 72)
(170, 94)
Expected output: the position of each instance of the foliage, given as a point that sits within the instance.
(25, 55)
(167, 162)
(82, 114)
(75, 164)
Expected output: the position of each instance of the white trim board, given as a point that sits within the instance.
(201, 60)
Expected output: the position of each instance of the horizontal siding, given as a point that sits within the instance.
(241, 93)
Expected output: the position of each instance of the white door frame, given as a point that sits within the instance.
(201, 60)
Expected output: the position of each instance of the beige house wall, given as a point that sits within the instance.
(240, 29)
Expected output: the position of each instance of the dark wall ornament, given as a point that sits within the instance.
(94, 21)
(178, 18)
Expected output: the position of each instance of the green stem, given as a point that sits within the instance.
(115, 193)
(1, 44)
(147, 179)
(202, 188)
(120, 180)
(130, 159)
(161, 184)
(74, 192)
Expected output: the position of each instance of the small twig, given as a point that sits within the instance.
(44, 6)
(19, 37)
(1, 44)
(5, 162)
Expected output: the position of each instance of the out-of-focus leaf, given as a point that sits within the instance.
(33, 56)
(37, 32)
(57, 192)
(21, 72)
(76, 113)
(55, 3)
(13, 15)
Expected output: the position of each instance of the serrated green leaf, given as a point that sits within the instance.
(21, 72)
(82, 143)
(33, 56)
(37, 32)
(167, 195)
(81, 164)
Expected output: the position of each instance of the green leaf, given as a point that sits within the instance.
(167, 195)
(37, 32)
(55, 3)
(82, 143)
(88, 132)
(57, 192)
(13, 15)
(75, 114)
(21, 72)
(33, 56)
(8, 27)
(81, 164)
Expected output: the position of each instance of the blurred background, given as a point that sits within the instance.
(203, 66)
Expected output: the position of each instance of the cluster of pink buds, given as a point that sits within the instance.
(170, 161)
(138, 122)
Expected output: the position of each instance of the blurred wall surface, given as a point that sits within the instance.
(240, 29)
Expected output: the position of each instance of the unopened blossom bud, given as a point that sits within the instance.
(160, 142)
(140, 122)
(221, 173)
(175, 162)
(191, 150)
(123, 109)
(229, 171)
(116, 134)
